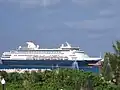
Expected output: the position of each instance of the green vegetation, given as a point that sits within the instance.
(60, 79)
(111, 65)
(69, 79)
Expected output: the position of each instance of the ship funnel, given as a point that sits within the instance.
(31, 45)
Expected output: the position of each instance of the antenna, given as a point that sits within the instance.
(68, 45)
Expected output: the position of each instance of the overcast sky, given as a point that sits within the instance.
(91, 24)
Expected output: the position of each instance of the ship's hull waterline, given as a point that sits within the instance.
(46, 63)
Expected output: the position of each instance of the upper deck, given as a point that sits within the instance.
(32, 47)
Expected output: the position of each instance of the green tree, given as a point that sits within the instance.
(114, 60)
(3, 74)
(60, 79)
(107, 70)
(34, 77)
(27, 85)
(15, 77)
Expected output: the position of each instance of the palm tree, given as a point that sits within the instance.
(112, 63)
(116, 47)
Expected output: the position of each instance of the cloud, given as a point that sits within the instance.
(87, 3)
(84, 2)
(96, 24)
(107, 12)
(97, 3)
(91, 2)
(95, 36)
(33, 3)
(105, 15)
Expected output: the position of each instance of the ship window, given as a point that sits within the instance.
(7, 55)
(21, 55)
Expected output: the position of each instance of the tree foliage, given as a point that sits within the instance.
(113, 60)
(59, 79)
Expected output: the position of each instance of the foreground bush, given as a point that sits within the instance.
(64, 79)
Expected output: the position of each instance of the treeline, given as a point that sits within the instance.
(59, 79)
(111, 65)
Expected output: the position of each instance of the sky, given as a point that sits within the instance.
(91, 24)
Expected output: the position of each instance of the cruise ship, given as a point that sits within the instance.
(31, 55)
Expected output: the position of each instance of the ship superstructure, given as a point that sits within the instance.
(33, 52)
